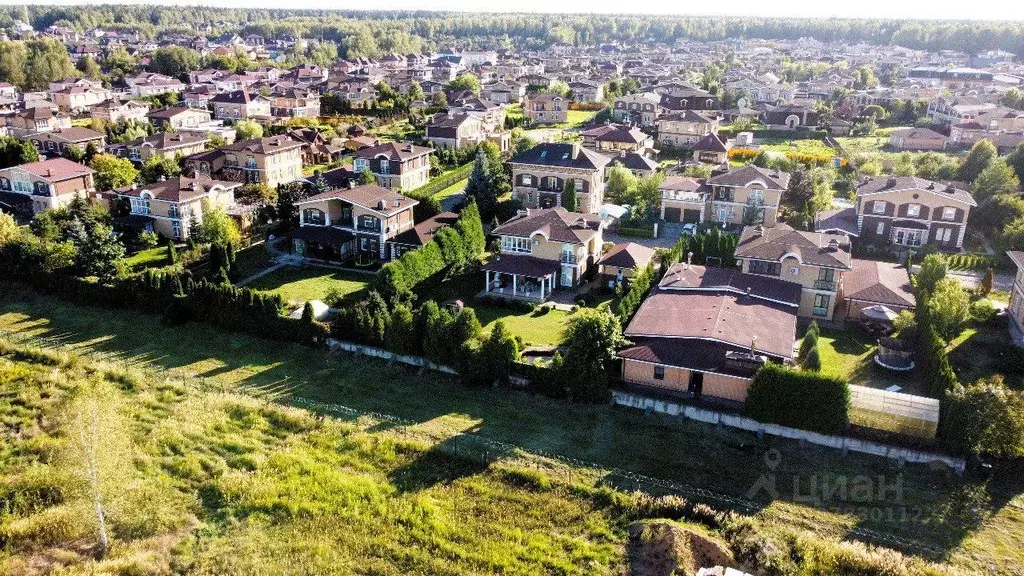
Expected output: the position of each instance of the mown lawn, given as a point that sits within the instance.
(537, 328)
(969, 525)
(982, 351)
(804, 146)
(453, 189)
(850, 354)
(297, 285)
(251, 261)
(148, 258)
(396, 131)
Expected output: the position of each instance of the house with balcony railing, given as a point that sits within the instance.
(541, 175)
(814, 260)
(362, 223)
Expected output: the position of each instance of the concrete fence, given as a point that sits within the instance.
(750, 425)
(417, 361)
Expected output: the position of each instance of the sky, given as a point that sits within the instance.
(932, 9)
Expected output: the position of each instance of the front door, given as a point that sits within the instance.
(696, 384)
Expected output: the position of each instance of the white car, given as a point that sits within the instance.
(689, 229)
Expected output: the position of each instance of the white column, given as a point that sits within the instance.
(514, 276)
(487, 287)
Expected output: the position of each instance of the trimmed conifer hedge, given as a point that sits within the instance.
(799, 399)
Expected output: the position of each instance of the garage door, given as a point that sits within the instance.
(691, 216)
(673, 214)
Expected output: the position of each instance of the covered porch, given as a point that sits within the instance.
(324, 243)
(525, 278)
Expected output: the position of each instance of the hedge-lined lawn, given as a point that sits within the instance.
(297, 285)
(970, 526)
(396, 131)
(981, 351)
(251, 260)
(148, 258)
(537, 328)
(577, 118)
(453, 189)
(850, 355)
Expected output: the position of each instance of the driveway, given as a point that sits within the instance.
(667, 237)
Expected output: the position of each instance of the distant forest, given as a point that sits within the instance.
(370, 34)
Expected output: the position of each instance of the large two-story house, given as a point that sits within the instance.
(272, 160)
(616, 138)
(46, 184)
(540, 176)
(685, 128)
(162, 145)
(546, 108)
(359, 222)
(1016, 307)
(542, 250)
(396, 165)
(908, 212)
(814, 260)
(170, 207)
(240, 105)
(178, 117)
(731, 196)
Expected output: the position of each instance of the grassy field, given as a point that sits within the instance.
(396, 132)
(981, 351)
(805, 146)
(969, 525)
(297, 285)
(251, 260)
(201, 481)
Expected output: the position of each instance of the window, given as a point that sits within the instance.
(943, 234)
(172, 211)
(880, 229)
(659, 372)
(878, 207)
(516, 244)
(527, 180)
(176, 228)
(794, 271)
(948, 213)
(370, 222)
(314, 216)
(821, 302)
(765, 268)
(385, 167)
(578, 185)
(140, 205)
(5, 184)
(23, 186)
(913, 210)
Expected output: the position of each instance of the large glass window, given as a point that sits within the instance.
(878, 207)
(516, 244)
(765, 268)
(314, 216)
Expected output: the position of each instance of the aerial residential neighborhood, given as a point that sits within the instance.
(303, 290)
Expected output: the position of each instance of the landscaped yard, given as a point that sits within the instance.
(537, 328)
(970, 526)
(453, 189)
(396, 132)
(849, 354)
(804, 146)
(148, 258)
(981, 351)
(297, 285)
(250, 261)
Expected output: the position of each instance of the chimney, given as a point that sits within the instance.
(759, 230)
(753, 345)
(748, 291)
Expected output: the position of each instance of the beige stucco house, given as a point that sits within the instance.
(49, 183)
(540, 176)
(172, 206)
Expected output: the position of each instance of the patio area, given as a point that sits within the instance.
(525, 278)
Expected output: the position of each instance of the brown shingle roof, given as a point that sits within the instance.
(369, 196)
(884, 185)
(56, 169)
(424, 232)
(683, 277)
(628, 255)
(743, 177)
(179, 189)
(811, 248)
(556, 224)
(397, 151)
(522, 264)
(719, 317)
(878, 282)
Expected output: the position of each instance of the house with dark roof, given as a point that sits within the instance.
(705, 332)
(684, 128)
(240, 105)
(873, 283)
(636, 162)
(906, 212)
(178, 117)
(272, 160)
(420, 234)
(396, 165)
(363, 222)
(624, 261)
(540, 176)
(615, 138)
(56, 142)
(1016, 307)
(45, 184)
(711, 149)
(543, 250)
(747, 195)
(546, 108)
(813, 261)
(163, 145)
(170, 206)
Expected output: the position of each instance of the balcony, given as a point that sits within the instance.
(567, 258)
(829, 285)
(365, 228)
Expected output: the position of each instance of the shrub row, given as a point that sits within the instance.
(970, 261)
(798, 399)
(634, 232)
(443, 181)
(639, 286)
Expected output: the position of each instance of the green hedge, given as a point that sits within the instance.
(970, 261)
(778, 134)
(627, 232)
(799, 399)
(443, 181)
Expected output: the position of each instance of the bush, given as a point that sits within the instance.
(636, 232)
(799, 399)
(983, 310)
(812, 360)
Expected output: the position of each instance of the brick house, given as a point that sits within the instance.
(908, 212)
(540, 175)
